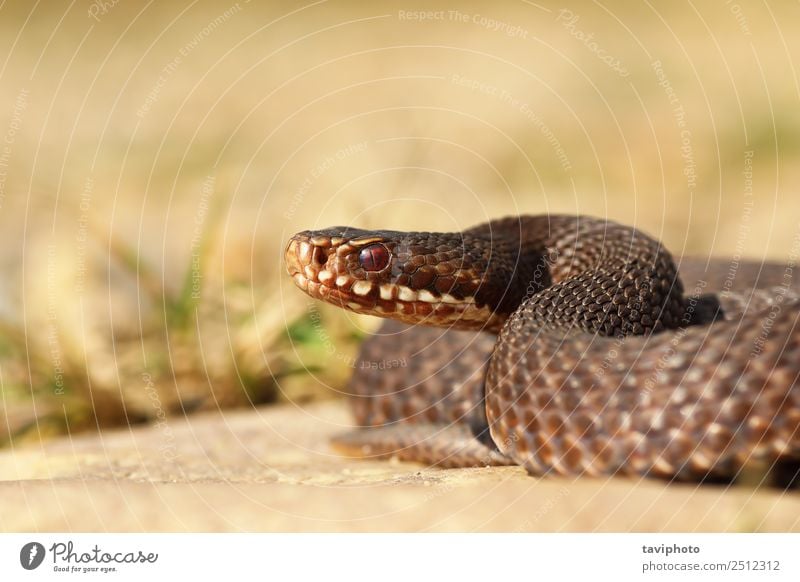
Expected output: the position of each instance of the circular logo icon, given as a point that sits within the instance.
(31, 555)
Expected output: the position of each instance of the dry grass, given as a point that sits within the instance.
(131, 173)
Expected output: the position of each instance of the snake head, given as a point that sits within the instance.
(431, 278)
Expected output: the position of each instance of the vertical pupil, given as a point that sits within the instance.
(374, 257)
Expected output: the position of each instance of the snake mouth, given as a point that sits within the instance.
(413, 311)
(341, 297)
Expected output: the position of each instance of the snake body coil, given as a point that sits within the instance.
(583, 354)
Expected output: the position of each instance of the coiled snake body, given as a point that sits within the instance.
(583, 352)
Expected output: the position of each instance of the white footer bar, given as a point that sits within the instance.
(401, 557)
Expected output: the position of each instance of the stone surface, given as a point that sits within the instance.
(271, 469)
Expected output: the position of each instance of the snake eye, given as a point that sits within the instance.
(374, 257)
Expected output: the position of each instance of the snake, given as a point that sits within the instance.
(568, 345)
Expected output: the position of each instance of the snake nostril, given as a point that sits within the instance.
(318, 257)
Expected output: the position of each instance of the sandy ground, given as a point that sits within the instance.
(271, 469)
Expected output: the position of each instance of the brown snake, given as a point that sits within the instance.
(584, 351)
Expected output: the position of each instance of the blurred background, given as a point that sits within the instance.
(155, 157)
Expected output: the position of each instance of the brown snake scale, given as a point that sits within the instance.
(568, 345)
